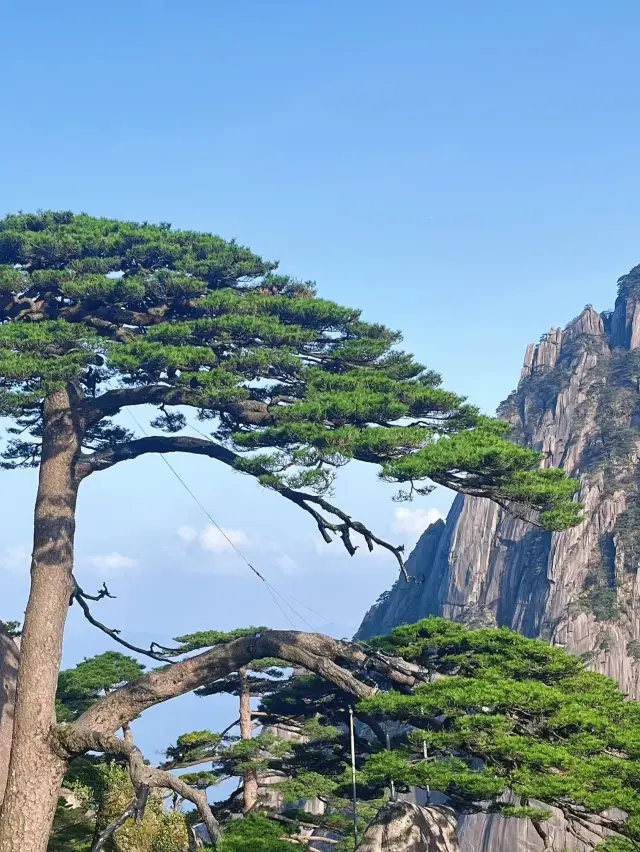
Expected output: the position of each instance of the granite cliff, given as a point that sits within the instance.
(8, 675)
(578, 403)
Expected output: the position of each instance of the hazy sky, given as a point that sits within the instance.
(464, 171)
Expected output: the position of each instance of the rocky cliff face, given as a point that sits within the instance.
(8, 675)
(578, 402)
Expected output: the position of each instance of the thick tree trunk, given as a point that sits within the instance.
(35, 769)
(250, 778)
(404, 827)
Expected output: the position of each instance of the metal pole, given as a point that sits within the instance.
(424, 752)
(353, 775)
(392, 785)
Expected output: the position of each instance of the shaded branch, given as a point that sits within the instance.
(247, 412)
(130, 450)
(521, 511)
(111, 829)
(344, 528)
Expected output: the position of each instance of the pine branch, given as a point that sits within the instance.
(344, 527)
(111, 829)
(143, 777)
(248, 412)
(82, 597)
(334, 660)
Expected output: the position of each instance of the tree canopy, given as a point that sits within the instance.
(98, 316)
(80, 687)
(471, 714)
(496, 712)
(294, 385)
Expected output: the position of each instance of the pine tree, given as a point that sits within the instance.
(230, 755)
(80, 687)
(495, 712)
(468, 713)
(101, 783)
(101, 315)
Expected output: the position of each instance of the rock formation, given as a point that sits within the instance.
(578, 403)
(8, 675)
(405, 827)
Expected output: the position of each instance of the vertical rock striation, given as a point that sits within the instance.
(406, 827)
(8, 675)
(578, 403)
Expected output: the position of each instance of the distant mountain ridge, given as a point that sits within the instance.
(578, 402)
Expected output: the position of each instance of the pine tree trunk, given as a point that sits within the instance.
(35, 770)
(250, 777)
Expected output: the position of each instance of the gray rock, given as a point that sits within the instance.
(406, 827)
(8, 676)
(577, 402)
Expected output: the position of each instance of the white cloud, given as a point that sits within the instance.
(222, 541)
(214, 540)
(187, 534)
(112, 563)
(415, 521)
(15, 559)
(287, 565)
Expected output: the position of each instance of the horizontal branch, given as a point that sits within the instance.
(315, 652)
(522, 511)
(249, 412)
(333, 660)
(129, 450)
(112, 402)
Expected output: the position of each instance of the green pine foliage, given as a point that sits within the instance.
(255, 833)
(494, 712)
(11, 628)
(295, 385)
(82, 686)
(507, 712)
(73, 829)
(497, 712)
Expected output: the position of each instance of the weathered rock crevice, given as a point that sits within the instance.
(406, 827)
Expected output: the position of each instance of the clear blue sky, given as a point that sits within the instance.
(465, 171)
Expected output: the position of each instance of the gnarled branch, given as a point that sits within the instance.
(111, 829)
(249, 412)
(342, 525)
(336, 661)
(75, 742)
(82, 597)
(315, 652)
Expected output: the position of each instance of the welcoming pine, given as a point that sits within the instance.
(99, 315)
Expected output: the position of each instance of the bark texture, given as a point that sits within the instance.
(405, 827)
(313, 651)
(36, 769)
(250, 776)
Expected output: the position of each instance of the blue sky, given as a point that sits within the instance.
(466, 172)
